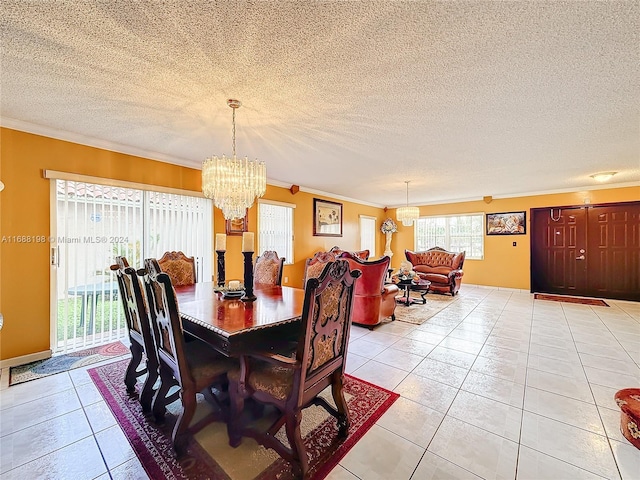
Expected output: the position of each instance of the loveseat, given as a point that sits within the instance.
(443, 269)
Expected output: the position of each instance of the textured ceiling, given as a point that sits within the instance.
(465, 99)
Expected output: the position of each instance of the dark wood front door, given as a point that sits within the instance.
(590, 250)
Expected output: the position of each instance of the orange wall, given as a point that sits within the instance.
(24, 278)
(305, 244)
(505, 265)
(24, 210)
(24, 272)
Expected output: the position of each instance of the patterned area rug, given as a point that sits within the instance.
(418, 313)
(209, 454)
(62, 363)
(562, 298)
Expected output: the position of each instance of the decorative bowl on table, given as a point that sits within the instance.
(231, 293)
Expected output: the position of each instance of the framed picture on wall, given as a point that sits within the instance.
(237, 226)
(512, 223)
(327, 218)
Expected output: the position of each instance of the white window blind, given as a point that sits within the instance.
(93, 223)
(368, 234)
(455, 233)
(275, 229)
(180, 223)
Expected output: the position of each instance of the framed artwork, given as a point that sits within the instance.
(237, 226)
(327, 218)
(512, 223)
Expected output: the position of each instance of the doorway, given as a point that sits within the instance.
(93, 223)
(587, 250)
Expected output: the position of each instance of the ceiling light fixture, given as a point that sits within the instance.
(407, 214)
(603, 176)
(233, 183)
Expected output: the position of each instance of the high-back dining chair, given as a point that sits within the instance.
(293, 383)
(314, 266)
(268, 269)
(140, 335)
(180, 268)
(362, 254)
(196, 366)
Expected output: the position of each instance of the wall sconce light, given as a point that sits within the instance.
(1, 186)
(603, 176)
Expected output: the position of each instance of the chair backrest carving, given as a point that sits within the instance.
(165, 319)
(362, 254)
(180, 268)
(268, 269)
(314, 266)
(326, 320)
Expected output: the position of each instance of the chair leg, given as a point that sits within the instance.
(146, 395)
(130, 375)
(341, 404)
(236, 401)
(181, 428)
(292, 427)
(159, 399)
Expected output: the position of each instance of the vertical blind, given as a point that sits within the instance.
(368, 232)
(95, 223)
(275, 222)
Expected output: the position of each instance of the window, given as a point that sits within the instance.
(91, 224)
(275, 229)
(454, 233)
(368, 234)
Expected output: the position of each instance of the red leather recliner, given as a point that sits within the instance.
(373, 300)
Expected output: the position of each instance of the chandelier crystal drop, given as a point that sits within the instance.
(233, 183)
(407, 215)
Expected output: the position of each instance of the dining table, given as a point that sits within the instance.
(235, 327)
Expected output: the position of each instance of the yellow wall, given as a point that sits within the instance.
(24, 273)
(505, 265)
(24, 210)
(305, 244)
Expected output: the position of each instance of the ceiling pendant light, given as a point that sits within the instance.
(233, 183)
(407, 214)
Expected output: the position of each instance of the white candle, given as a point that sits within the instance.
(234, 284)
(247, 242)
(221, 242)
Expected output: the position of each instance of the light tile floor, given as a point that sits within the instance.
(496, 385)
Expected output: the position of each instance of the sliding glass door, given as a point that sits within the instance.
(91, 224)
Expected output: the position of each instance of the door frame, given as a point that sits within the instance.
(586, 208)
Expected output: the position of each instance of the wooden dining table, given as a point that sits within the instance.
(234, 327)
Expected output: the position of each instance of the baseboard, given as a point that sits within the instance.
(32, 357)
(494, 287)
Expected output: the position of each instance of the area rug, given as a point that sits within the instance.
(62, 363)
(562, 298)
(209, 455)
(417, 313)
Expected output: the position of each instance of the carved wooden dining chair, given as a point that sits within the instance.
(362, 254)
(180, 268)
(140, 335)
(292, 383)
(196, 366)
(314, 266)
(268, 269)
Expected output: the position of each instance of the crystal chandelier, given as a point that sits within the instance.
(407, 214)
(233, 183)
